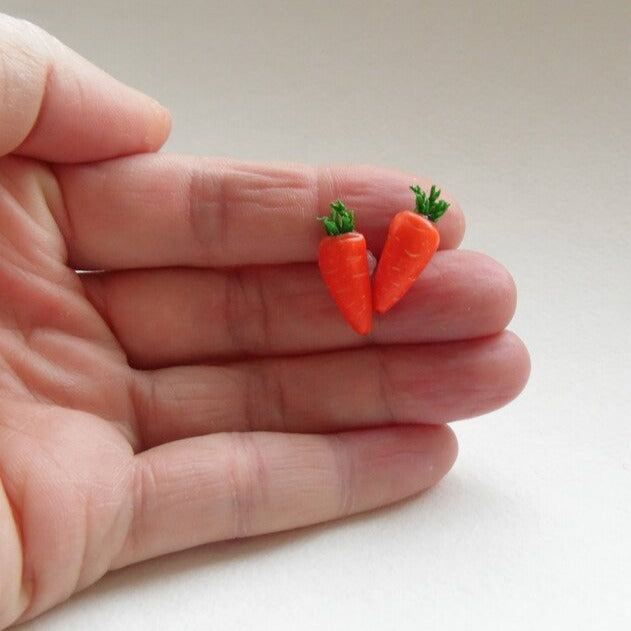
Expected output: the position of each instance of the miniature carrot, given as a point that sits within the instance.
(343, 262)
(412, 241)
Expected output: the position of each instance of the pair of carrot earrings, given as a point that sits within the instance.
(343, 259)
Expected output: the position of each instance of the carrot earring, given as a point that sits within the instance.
(343, 262)
(411, 242)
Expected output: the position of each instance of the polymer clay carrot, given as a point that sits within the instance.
(411, 242)
(343, 262)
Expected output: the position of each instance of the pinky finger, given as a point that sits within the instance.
(224, 486)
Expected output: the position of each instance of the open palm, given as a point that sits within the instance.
(196, 382)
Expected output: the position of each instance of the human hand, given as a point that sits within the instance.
(201, 385)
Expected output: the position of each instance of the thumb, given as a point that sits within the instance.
(58, 107)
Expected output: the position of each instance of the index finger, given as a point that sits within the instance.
(163, 210)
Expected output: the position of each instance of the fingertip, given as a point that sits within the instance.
(450, 447)
(452, 225)
(521, 364)
(496, 285)
(443, 451)
(422, 455)
(507, 371)
(159, 125)
(507, 294)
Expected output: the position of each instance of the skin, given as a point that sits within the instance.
(160, 404)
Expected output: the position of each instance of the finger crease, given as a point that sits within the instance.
(262, 311)
(247, 478)
(207, 211)
(385, 384)
(235, 322)
(345, 465)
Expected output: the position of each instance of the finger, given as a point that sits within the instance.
(158, 211)
(238, 485)
(58, 107)
(181, 316)
(433, 383)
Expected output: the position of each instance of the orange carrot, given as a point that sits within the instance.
(343, 262)
(411, 242)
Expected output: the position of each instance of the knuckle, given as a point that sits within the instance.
(144, 492)
(207, 212)
(383, 379)
(247, 480)
(247, 315)
(267, 404)
(345, 470)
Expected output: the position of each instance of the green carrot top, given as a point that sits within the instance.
(431, 206)
(340, 221)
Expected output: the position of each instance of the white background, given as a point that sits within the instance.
(522, 111)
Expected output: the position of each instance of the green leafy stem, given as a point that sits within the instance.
(340, 221)
(432, 207)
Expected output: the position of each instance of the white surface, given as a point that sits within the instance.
(521, 110)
